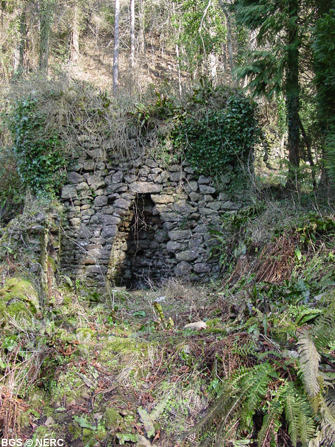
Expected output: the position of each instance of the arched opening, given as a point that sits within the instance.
(143, 240)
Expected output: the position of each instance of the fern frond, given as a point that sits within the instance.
(239, 399)
(291, 404)
(324, 329)
(309, 359)
(257, 386)
(274, 412)
(224, 405)
(305, 421)
(327, 409)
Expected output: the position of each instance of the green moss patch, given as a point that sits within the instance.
(18, 297)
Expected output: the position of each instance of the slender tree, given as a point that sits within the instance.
(45, 10)
(227, 13)
(116, 47)
(275, 65)
(141, 34)
(132, 34)
(75, 31)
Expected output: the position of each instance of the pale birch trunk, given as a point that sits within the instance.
(141, 34)
(229, 36)
(45, 19)
(132, 34)
(75, 34)
(116, 47)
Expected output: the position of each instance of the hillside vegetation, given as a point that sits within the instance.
(244, 92)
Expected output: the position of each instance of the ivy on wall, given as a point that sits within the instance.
(37, 148)
(216, 137)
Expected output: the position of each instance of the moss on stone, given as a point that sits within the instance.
(74, 430)
(112, 419)
(119, 345)
(84, 335)
(18, 297)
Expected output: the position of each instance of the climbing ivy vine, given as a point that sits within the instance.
(220, 133)
(38, 150)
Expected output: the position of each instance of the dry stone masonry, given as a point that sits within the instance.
(133, 221)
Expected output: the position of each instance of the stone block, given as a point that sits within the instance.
(223, 196)
(89, 165)
(163, 208)
(97, 185)
(84, 232)
(156, 171)
(174, 246)
(208, 198)
(204, 180)
(107, 219)
(183, 207)
(88, 213)
(120, 212)
(204, 189)
(144, 171)
(189, 169)
(175, 168)
(69, 192)
(109, 231)
(201, 229)
(162, 178)
(171, 217)
(145, 187)
(73, 177)
(202, 267)
(176, 176)
(151, 163)
(98, 269)
(130, 178)
(206, 211)
(191, 186)
(100, 201)
(195, 197)
(109, 209)
(214, 205)
(228, 206)
(161, 236)
(177, 235)
(188, 255)
(162, 198)
(122, 203)
(195, 242)
(75, 221)
(117, 177)
(183, 269)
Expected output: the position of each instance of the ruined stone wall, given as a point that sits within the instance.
(134, 220)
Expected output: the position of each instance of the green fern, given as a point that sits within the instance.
(271, 419)
(240, 398)
(316, 383)
(309, 364)
(327, 410)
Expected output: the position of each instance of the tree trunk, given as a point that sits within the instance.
(116, 48)
(229, 37)
(45, 18)
(75, 34)
(23, 37)
(178, 70)
(141, 34)
(292, 93)
(19, 51)
(132, 34)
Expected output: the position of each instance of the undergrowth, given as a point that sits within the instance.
(261, 373)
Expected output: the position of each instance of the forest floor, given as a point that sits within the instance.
(123, 369)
